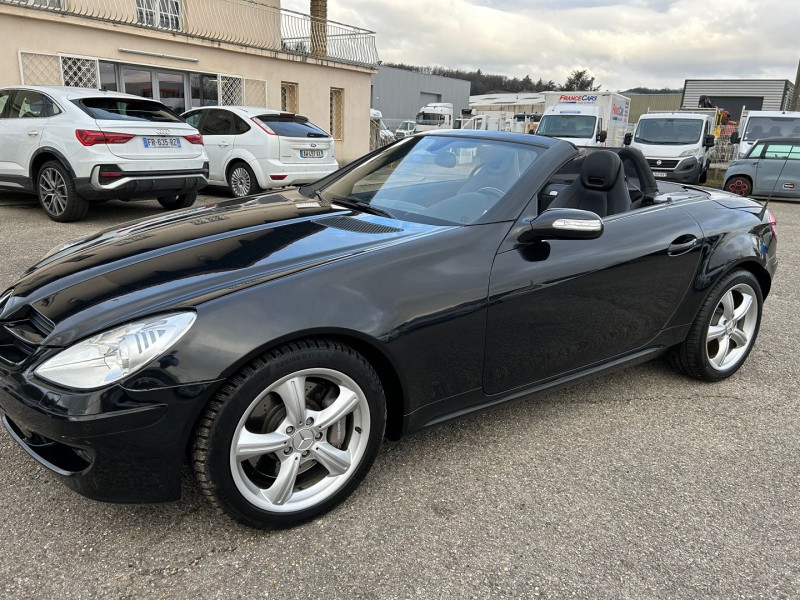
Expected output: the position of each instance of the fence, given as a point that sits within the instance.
(246, 23)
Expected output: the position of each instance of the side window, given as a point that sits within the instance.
(52, 108)
(240, 125)
(778, 151)
(193, 119)
(4, 96)
(756, 151)
(28, 105)
(218, 122)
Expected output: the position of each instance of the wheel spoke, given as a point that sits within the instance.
(727, 305)
(741, 310)
(293, 394)
(722, 353)
(715, 332)
(740, 338)
(281, 490)
(344, 404)
(255, 444)
(334, 460)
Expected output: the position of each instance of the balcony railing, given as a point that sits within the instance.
(246, 23)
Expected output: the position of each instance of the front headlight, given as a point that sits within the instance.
(692, 152)
(109, 356)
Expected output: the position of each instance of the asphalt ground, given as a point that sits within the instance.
(642, 484)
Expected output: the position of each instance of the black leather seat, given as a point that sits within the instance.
(600, 187)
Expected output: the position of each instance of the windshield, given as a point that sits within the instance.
(567, 126)
(294, 126)
(435, 179)
(669, 131)
(127, 109)
(406, 126)
(771, 127)
(425, 118)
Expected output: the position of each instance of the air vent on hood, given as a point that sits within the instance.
(357, 225)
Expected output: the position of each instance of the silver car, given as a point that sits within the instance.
(770, 168)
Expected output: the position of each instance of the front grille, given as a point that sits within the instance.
(665, 163)
(22, 334)
(357, 225)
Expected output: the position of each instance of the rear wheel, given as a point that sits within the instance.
(242, 181)
(57, 194)
(291, 435)
(739, 185)
(724, 331)
(178, 201)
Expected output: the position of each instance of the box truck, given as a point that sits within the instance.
(585, 118)
(435, 115)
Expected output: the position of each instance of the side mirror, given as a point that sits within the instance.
(708, 141)
(627, 139)
(735, 139)
(601, 137)
(563, 224)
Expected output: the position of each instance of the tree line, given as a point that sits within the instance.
(486, 83)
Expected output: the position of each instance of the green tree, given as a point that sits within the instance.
(579, 80)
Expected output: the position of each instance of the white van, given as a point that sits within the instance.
(761, 124)
(677, 145)
(585, 118)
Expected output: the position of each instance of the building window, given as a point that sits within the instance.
(205, 89)
(337, 113)
(50, 4)
(289, 99)
(164, 14)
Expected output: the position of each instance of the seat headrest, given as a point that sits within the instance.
(496, 157)
(600, 170)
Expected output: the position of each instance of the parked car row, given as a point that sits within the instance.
(73, 147)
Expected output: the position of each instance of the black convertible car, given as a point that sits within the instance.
(275, 340)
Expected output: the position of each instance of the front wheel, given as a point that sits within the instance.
(724, 331)
(291, 435)
(178, 201)
(740, 186)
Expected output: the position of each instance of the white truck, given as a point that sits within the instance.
(486, 123)
(765, 124)
(435, 115)
(585, 118)
(677, 145)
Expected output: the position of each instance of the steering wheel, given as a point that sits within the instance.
(493, 191)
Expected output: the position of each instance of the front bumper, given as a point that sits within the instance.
(130, 185)
(113, 444)
(687, 171)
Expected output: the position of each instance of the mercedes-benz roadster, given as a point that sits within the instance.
(275, 340)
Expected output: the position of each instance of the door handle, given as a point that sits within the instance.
(682, 245)
(33, 132)
(223, 144)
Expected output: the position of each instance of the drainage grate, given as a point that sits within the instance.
(357, 225)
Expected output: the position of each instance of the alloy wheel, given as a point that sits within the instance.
(53, 191)
(240, 182)
(300, 440)
(732, 328)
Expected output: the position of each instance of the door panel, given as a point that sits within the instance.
(22, 131)
(778, 171)
(561, 305)
(218, 129)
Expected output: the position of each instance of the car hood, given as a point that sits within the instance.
(185, 258)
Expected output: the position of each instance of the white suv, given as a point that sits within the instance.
(72, 146)
(252, 149)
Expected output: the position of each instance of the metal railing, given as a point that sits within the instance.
(246, 23)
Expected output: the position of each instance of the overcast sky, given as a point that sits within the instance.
(623, 43)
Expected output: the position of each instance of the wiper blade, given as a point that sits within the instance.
(363, 206)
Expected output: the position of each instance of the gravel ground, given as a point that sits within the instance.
(642, 484)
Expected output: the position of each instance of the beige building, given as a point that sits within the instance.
(190, 53)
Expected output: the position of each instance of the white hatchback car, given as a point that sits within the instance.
(252, 149)
(72, 146)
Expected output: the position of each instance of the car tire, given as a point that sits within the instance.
(57, 194)
(703, 177)
(724, 331)
(241, 180)
(177, 202)
(271, 457)
(741, 186)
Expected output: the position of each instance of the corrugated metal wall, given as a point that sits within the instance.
(397, 93)
(640, 103)
(776, 93)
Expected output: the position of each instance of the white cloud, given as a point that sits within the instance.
(623, 43)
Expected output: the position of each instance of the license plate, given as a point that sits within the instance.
(162, 142)
(310, 153)
(659, 173)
